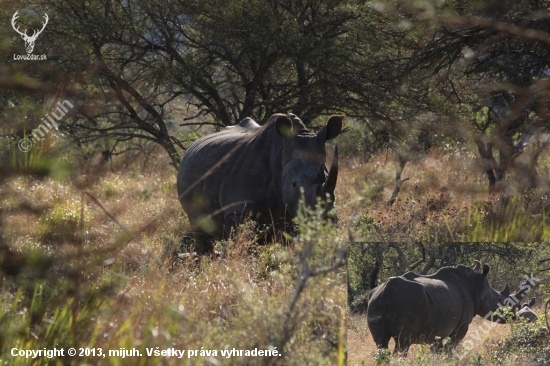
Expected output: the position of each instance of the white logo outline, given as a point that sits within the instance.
(29, 40)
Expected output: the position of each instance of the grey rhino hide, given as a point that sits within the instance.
(416, 309)
(253, 171)
(527, 313)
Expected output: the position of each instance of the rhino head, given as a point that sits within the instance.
(304, 167)
(487, 299)
(524, 312)
(517, 299)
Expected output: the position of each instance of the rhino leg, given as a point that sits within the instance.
(232, 223)
(203, 241)
(457, 335)
(438, 346)
(378, 326)
(402, 344)
(380, 334)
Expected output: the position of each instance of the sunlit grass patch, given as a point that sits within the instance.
(445, 198)
(108, 293)
(61, 223)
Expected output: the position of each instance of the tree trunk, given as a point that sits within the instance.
(377, 265)
(398, 181)
(489, 162)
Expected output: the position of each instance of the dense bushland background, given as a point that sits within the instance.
(445, 141)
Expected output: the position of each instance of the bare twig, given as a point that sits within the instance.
(306, 274)
(126, 230)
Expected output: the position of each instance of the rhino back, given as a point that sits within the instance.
(449, 303)
(228, 167)
(199, 180)
(420, 308)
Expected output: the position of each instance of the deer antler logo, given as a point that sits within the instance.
(29, 40)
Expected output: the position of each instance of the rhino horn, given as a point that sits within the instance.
(505, 292)
(330, 184)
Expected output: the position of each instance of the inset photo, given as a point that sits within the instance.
(448, 304)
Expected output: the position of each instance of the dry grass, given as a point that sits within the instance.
(445, 199)
(103, 290)
(439, 189)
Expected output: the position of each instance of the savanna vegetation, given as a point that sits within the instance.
(514, 343)
(445, 140)
(79, 276)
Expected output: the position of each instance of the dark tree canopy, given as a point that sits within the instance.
(485, 63)
(137, 65)
(412, 74)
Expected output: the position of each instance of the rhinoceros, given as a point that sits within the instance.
(515, 302)
(525, 313)
(259, 172)
(416, 308)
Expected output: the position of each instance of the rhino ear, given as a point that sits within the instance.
(283, 126)
(332, 128)
(532, 302)
(486, 269)
(476, 265)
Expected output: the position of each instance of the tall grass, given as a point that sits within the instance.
(24, 159)
(445, 199)
(510, 345)
(100, 291)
